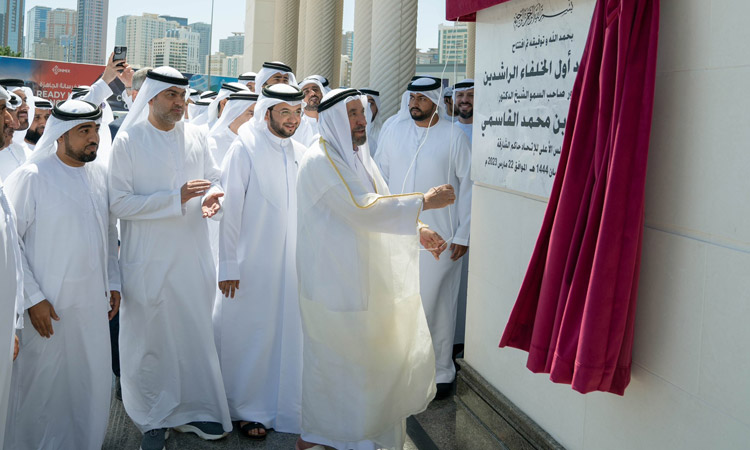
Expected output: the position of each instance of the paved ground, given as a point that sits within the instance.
(434, 429)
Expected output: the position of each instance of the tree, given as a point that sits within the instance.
(6, 51)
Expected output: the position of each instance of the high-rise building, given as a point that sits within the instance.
(12, 16)
(36, 28)
(193, 41)
(204, 30)
(180, 20)
(233, 45)
(62, 22)
(91, 39)
(140, 32)
(345, 71)
(170, 51)
(347, 45)
(120, 29)
(453, 42)
(51, 33)
(429, 56)
(232, 66)
(216, 63)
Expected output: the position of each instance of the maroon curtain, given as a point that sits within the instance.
(575, 310)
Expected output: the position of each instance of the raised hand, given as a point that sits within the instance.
(439, 197)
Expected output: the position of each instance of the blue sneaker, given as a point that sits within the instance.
(208, 431)
(154, 439)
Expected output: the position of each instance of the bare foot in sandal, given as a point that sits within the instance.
(253, 430)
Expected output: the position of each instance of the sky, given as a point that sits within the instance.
(229, 15)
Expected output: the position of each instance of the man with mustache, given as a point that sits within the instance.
(12, 155)
(42, 112)
(61, 384)
(256, 321)
(23, 111)
(464, 94)
(11, 279)
(164, 184)
(314, 90)
(417, 152)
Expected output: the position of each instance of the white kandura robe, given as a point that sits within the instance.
(218, 145)
(11, 295)
(170, 370)
(259, 332)
(61, 387)
(308, 131)
(368, 359)
(98, 95)
(466, 128)
(11, 158)
(445, 149)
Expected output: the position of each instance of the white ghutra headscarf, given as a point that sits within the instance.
(65, 116)
(157, 81)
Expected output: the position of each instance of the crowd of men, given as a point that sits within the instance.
(247, 256)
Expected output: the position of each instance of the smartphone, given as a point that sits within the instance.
(121, 54)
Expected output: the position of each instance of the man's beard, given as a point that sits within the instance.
(33, 135)
(466, 115)
(313, 104)
(279, 128)
(79, 155)
(419, 115)
(359, 141)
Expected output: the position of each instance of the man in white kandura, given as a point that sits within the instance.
(11, 279)
(273, 73)
(239, 109)
(308, 132)
(61, 386)
(164, 183)
(249, 79)
(464, 94)
(256, 321)
(42, 112)
(418, 151)
(12, 154)
(374, 120)
(24, 112)
(368, 359)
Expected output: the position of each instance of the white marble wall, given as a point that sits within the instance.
(690, 384)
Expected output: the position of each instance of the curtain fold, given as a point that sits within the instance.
(575, 310)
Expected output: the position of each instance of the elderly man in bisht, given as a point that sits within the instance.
(12, 155)
(249, 79)
(273, 73)
(61, 381)
(314, 90)
(164, 184)
(418, 151)
(42, 112)
(11, 280)
(368, 359)
(256, 321)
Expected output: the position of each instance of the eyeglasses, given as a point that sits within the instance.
(285, 113)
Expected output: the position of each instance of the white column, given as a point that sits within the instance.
(393, 57)
(285, 40)
(362, 43)
(301, 27)
(323, 22)
(259, 33)
(470, 50)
